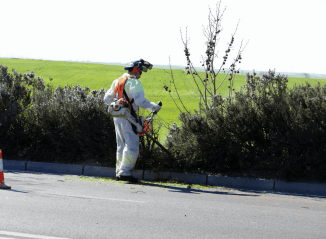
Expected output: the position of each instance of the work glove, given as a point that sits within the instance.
(156, 107)
(141, 120)
(139, 128)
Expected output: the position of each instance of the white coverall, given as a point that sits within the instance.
(127, 140)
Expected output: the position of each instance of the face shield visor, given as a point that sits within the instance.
(146, 66)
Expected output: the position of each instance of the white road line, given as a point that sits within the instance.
(17, 234)
(98, 198)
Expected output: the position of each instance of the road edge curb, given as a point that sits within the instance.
(257, 184)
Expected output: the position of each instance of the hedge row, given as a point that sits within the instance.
(266, 128)
(66, 124)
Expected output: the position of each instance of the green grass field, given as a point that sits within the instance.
(96, 76)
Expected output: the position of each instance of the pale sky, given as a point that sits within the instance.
(288, 35)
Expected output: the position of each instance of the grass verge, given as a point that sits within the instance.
(163, 183)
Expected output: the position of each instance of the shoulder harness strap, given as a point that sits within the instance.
(120, 87)
(121, 92)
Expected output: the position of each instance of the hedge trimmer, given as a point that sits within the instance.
(118, 109)
(146, 127)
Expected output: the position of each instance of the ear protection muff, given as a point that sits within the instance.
(135, 70)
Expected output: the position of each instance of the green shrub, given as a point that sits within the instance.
(40, 123)
(151, 157)
(265, 127)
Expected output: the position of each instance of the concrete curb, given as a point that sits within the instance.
(138, 174)
(190, 178)
(310, 188)
(149, 175)
(14, 164)
(54, 168)
(98, 171)
(300, 187)
(242, 183)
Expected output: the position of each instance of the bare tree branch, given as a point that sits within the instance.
(211, 32)
(176, 90)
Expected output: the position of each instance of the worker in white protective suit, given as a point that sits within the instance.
(130, 88)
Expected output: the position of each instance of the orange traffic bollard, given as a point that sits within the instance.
(2, 177)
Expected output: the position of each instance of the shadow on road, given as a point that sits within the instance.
(17, 191)
(190, 190)
(179, 189)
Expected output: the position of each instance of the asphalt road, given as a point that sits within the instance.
(53, 206)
